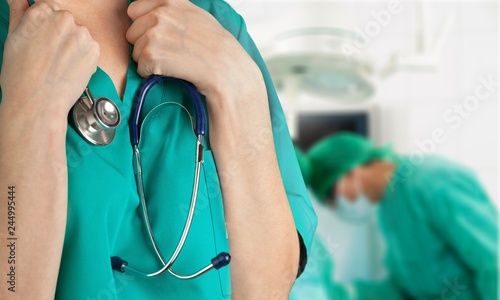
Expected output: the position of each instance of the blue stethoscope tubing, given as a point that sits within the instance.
(201, 119)
(223, 258)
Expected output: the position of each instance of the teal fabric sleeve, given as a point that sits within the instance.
(466, 219)
(304, 215)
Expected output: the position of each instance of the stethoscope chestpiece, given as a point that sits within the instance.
(96, 119)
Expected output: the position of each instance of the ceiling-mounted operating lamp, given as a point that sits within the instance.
(313, 59)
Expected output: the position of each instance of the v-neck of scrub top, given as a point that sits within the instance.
(101, 82)
(101, 85)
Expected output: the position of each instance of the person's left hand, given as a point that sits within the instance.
(177, 38)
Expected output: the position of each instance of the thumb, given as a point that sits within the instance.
(17, 10)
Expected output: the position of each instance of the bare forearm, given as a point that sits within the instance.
(262, 235)
(33, 159)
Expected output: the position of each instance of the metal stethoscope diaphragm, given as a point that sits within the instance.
(96, 119)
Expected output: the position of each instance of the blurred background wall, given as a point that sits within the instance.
(425, 65)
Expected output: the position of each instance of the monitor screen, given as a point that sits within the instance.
(314, 127)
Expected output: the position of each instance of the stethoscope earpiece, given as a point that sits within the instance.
(96, 119)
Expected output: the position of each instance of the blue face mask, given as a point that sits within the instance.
(358, 211)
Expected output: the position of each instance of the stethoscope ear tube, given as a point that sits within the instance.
(142, 92)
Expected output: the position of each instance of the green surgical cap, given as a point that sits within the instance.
(304, 164)
(333, 157)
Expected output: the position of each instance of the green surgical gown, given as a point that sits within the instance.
(104, 214)
(441, 231)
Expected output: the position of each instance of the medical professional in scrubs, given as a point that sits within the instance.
(317, 281)
(439, 224)
(77, 204)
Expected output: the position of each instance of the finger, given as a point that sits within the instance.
(17, 10)
(138, 48)
(41, 10)
(139, 8)
(144, 67)
(138, 28)
(146, 63)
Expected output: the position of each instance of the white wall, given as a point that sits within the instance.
(411, 105)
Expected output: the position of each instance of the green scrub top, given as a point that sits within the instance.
(104, 214)
(441, 231)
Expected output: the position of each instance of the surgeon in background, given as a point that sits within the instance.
(438, 223)
(317, 281)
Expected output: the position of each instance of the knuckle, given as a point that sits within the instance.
(82, 35)
(165, 3)
(66, 16)
(87, 44)
(95, 48)
(94, 53)
(157, 70)
(148, 53)
(65, 20)
(135, 55)
(39, 13)
(153, 35)
(142, 67)
(52, 4)
(158, 14)
(43, 6)
(91, 44)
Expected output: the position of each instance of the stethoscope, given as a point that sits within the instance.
(97, 121)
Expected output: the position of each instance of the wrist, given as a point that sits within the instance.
(41, 120)
(238, 110)
(232, 87)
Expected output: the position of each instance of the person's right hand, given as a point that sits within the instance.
(48, 60)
